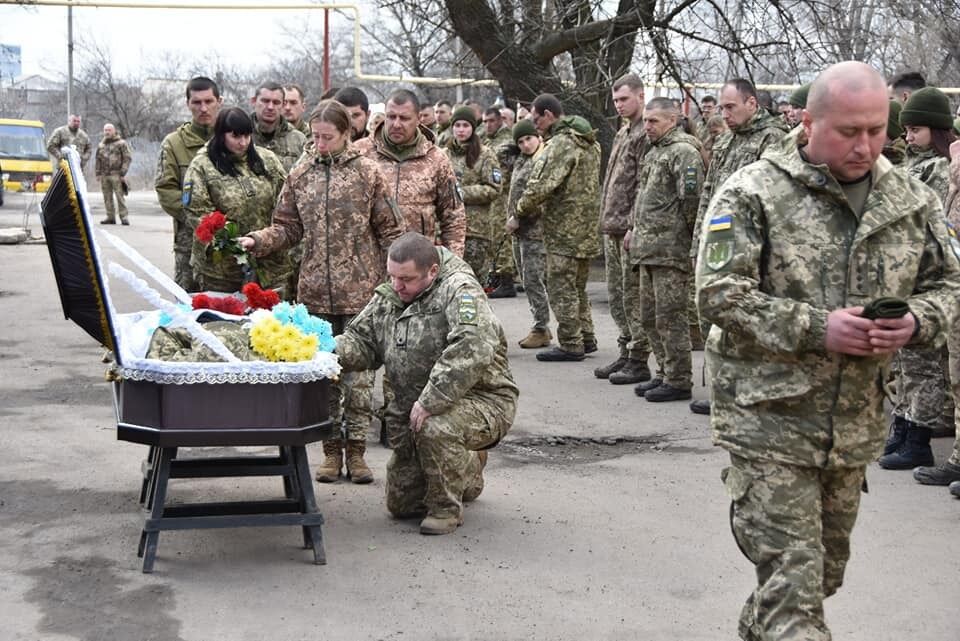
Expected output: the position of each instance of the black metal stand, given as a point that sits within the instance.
(299, 507)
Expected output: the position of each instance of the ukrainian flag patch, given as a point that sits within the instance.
(721, 223)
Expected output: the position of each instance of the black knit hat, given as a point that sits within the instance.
(464, 113)
(798, 98)
(523, 128)
(927, 107)
(894, 130)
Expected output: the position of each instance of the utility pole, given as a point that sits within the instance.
(69, 60)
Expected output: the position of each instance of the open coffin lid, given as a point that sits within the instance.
(227, 397)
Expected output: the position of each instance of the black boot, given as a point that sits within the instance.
(914, 452)
(615, 366)
(635, 371)
(898, 434)
(505, 289)
(943, 474)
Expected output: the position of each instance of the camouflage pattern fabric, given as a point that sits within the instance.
(303, 127)
(623, 290)
(342, 213)
(896, 151)
(620, 182)
(532, 259)
(731, 151)
(113, 157)
(65, 137)
(284, 141)
(447, 350)
(177, 344)
(113, 199)
(953, 369)
(663, 312)
(563, 189)
(530, 225)
(423, 185)
(793, 523)
(951, 205)
(176, 152)
(501, 143)
(351, 397)
(476, 253)
(923, 385)
(930, 169)
(480, 186)
(246, 199)
(567, 291)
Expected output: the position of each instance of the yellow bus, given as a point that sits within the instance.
(24, 163)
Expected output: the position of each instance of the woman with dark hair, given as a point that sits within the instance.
(337, 202)
(242, 181)
(928, 121)
(479, 180)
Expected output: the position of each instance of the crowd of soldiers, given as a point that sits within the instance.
(806, 240)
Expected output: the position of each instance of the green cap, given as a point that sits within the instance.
(798, 98)
(464, 113)
(523, 128)
(894, 130)
(927, 107)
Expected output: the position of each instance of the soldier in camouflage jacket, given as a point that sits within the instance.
(111, 165)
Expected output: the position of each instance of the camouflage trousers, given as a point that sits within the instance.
(531, 258)
(182, 246)
(504, 261)
(663, 310)
(431, 471)
(953, 367)
(623, 289)
(476, 253)
(567, 291)
(793, 523)
(923, 386)
(351, 398)
(111, 188)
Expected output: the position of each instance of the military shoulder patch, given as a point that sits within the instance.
(496, 176)
(187, 191)
(719, 253)
(690, 181)
(721, 223)
(467, 309)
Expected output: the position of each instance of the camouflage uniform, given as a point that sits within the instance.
(564, 185)
(422, 182)
(480, 186)
(501, 143)
(616, 206)
(111, 165)
(284, 141)
(443, 135)
(246, 199)
(896, 151)
(176, 152)
(781, 249)
(65, 137)
(446, 350)
(341, 211)
(923, 373)
(663, 218)
(303, 127)
(532, 258)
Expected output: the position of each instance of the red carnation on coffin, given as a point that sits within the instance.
(224, 304)
(258, 298)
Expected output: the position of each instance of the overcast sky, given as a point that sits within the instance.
(136, 36)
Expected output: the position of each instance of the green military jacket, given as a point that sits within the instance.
(782, 248)
(896, 151)
(341, 210)
(530, 227)
(113, 157)
(733, 150)
(246, 199)
(666, 202)
(502, 145)
(176, 152)
(445, 346)
(480, 186)
(930, 169)
(285, 142)
(65, 137)
(620, 183)
(303, 127)
(564, 187)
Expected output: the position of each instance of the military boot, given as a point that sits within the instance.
(538, 337)
(615, 366)
(666, 392)
(505, 289)
(357, 470)
(440, 524)
(955, 489)
(329, 470)
(635, 371)
(643, 388)
(701, 406)
(898, 434)
(914, 452)
(475, 486)
(943, 474)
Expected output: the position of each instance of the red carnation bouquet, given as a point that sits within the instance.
(257, 298)
(220, 234)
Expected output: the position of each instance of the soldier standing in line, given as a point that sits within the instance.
(271, 130)
(708, 108)
(443, 111)
(659, 244)
(358, 106)
(111, 165)
(339, 204)
(70, 135)
(751, 131)
(563, 190)
(619, 193)
(176, 151)
(500, 140)
(445, 356)
(797, 250)
(294, 106)
(509, 117)
(428, 118)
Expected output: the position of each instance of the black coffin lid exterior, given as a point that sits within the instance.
(168, 414)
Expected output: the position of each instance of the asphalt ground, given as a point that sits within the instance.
(603, 515)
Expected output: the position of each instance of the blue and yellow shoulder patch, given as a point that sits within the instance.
(467, 310)
(954, 241)
(720, 223)
(186, 193)
(690, 181)
(496, 177)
